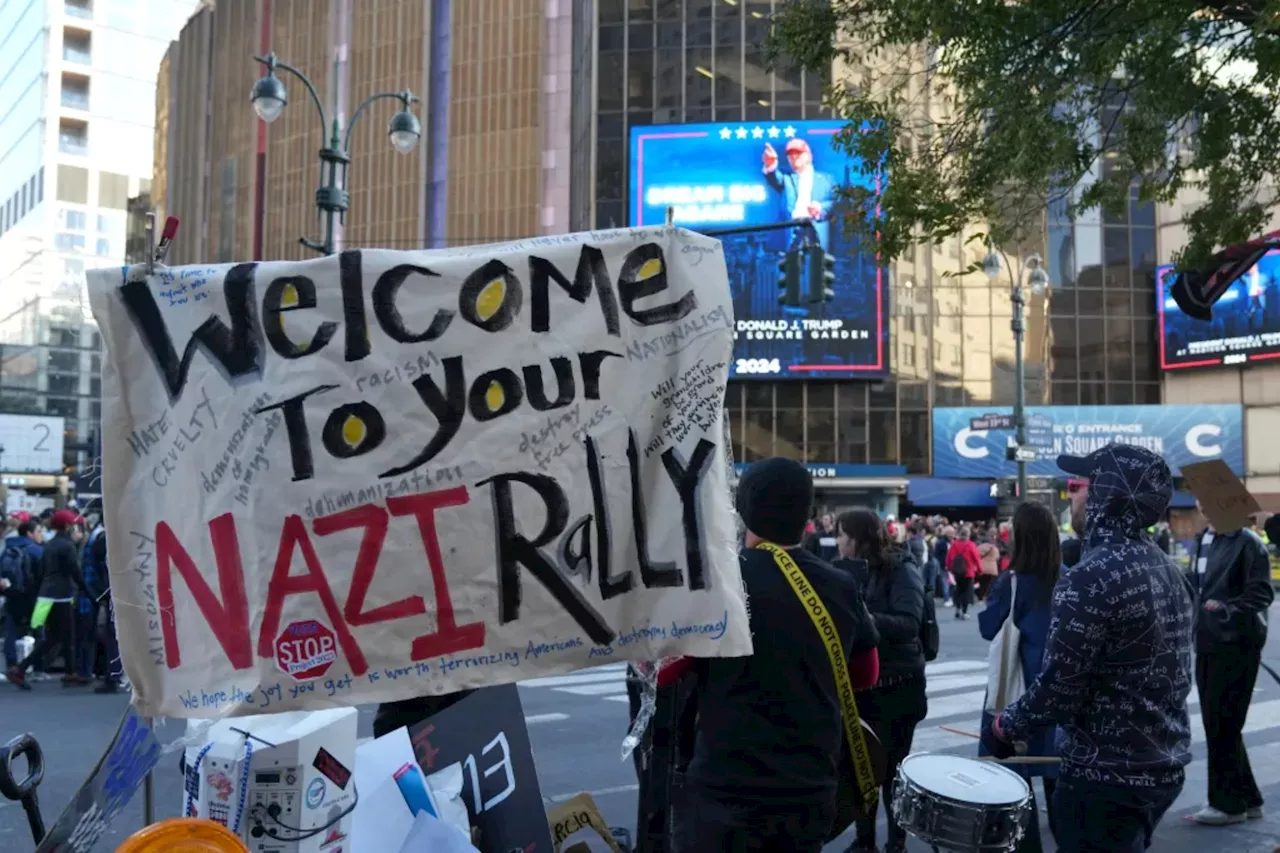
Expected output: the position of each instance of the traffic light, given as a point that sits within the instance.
(822, 275)
(789, 270)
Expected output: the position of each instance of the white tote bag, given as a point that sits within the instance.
(1004, 662)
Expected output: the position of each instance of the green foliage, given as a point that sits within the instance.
(986, 112)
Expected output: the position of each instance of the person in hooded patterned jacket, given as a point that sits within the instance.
(1117, 664)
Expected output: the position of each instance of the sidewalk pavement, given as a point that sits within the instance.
(1178, 835)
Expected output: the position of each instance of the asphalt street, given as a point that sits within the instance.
(576, 724)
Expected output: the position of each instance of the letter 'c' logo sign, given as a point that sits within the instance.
(968, 451)
(1196, 444)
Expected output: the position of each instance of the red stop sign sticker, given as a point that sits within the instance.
(306, 649)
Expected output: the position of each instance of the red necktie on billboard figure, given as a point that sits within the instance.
(1197, 290)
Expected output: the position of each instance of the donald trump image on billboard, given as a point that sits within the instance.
(805, 192)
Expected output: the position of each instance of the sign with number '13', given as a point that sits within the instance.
(486, 734)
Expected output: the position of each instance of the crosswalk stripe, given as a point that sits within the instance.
(949, 666)
(950, 703)
(586, 677)
(612, 687)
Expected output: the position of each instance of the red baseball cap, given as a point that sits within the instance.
(20, 516)
(65, 518)
(797, 145)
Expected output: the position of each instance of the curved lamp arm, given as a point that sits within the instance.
(273, 63)
(406, 98)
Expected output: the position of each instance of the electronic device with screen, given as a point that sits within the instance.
(282, 782)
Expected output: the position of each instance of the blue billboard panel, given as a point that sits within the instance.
(728, 176)
(962, 447)
(1245, 326)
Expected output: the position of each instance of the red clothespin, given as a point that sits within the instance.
(166, 237)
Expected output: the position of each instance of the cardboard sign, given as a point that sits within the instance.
(575, 815)
(132, 754)
(486, 734)
(1223, 498)
(387, 474)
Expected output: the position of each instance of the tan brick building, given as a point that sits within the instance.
(494, 81)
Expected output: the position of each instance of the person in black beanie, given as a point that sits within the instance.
(770, 734)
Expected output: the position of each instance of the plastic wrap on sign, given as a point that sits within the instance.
(379, 475)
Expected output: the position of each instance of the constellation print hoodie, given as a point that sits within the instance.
(1117, 664)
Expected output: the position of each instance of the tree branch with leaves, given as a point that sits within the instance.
(985, 112)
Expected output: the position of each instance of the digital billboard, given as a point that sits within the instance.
(1245, 325)
(733, 176)
(971, 442)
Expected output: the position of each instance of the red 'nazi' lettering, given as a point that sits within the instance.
(282, 585)
(450, 637)
(374, 521)
(229, 618)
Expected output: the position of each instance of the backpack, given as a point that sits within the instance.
(19, 569)
(929, 637)
(956, 563)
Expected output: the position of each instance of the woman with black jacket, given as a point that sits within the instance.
(893, 590)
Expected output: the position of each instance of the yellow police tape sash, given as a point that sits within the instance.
(865, 776)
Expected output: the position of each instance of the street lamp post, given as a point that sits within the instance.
(1037, 281)
(269, 98)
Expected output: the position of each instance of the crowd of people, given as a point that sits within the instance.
(56, 590)
(1108, 626)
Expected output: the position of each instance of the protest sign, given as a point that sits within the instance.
(386, 474)
(485, 733)
(575, 816)
(132, 754)
(1224, 500)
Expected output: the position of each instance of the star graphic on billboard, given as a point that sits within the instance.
(773, 132)
(742, 133)
(789, 131)
(757, 133)
(725, 133)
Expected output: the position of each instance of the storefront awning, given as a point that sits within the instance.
(947, 492)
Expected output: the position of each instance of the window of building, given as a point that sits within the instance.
(65, 242)
(73, 220)
(104, 223)
(113, 190)
(75, 92)
(73, 184)
(820, 422)
(882, 430)
(851, 419)
(73, 137)
(757, 421)
(79, 8)
(103, 248)
(915, 442)
(40, 186)
(77, 47)
(788, 419)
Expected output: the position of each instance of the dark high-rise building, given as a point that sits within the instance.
(869, 440)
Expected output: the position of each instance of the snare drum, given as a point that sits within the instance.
(961, 804)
